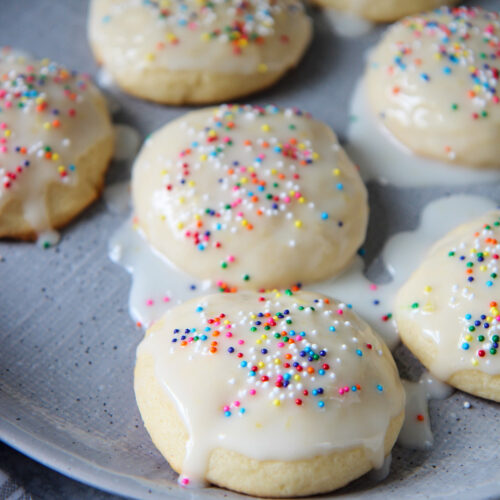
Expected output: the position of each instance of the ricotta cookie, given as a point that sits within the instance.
(190, 51)
(448, 313)
(270, 395)
(433, 81)
(384, 10)
(257, 197)
(56, 141)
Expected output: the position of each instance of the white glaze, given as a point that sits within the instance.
(63, 114)
(416, 432)
(382, 158)
(47, 239)
(117, 197)
(212, 391)
(132, 35)
(432, 80)
(348, 24)
(252, 197)
(451, 301)
(156, 284)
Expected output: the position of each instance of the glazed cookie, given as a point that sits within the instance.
(190, 51)
(271, 395)
(257, 197)
(433, 82)
(384, 10)
(448, 313)
(56, 141)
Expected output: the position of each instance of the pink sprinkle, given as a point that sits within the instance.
(3, 149)
(3, 125)
(298, 338)
(226, 408)
(341, 391)
(184, 481)
(166, 299)
(281, 344)
(236, 403)
(230, 258)
(229, 334)
(286, 199)
(252, 392)
(241, 342)
(340, 311)
(8, 104)
(373, 286)
(149, 302)
(346, 389)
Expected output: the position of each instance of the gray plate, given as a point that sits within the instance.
(68, 344)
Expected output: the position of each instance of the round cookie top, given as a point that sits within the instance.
(274, 377)
(221, 36)
(247, 196)
(434, 81)
(49, 118)
(453, 300)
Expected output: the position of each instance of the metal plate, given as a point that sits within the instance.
(68, 344)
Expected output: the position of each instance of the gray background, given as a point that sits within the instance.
(68, 344)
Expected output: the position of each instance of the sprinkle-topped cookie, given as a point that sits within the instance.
(51, 119)
(453, 300)
(247, 196)
(434, 80)
(227, 41)
(273, 377)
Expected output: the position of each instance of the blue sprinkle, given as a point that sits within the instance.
(465, 346)
(321, 404)
(379, 388)
(358, 352)
(332, 329)
(324, 216)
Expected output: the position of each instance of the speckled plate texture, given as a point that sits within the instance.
(68, 344)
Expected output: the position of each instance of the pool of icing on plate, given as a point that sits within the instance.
(381, 157)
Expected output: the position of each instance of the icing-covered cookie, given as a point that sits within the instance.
(189, 51)
(448, 313)
(434, 80)
(271, 395)
(250, 197)
(56, 141)
(384, 10)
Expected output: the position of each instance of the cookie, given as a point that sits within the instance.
(250, 197)
(56, 141)
(433, 82)
(273, 395)
(191, 52)
(448, 313)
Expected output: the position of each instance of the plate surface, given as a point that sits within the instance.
(68, 344)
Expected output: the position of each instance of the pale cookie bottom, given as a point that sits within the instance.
(63, 201)
(472, 381)
(237, 472)
(198, 87)
(384, 11)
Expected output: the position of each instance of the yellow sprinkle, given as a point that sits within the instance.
(315, 156)
(277, 361)
(164, 172)
(150, 56)
(197, 217)
(298, 223)
(226, 322)
(427, 289)
(243, 180)
(278, 294)
(180, 225)
(61, 168)
(296, 377)
(276, 402)
(7, 133)
(468, 337)
(162, 217)
(262, 68)
(253, 316)
(46, 125)
(243, 42)
(258, 341)
(244, 222)
(273, 171)
(203, 157)
(191, 183)
(263, 336)
(336, 172)
(475, 362)
(182, 199)
(437, 56)
(302, 199)
(205, 37)
(428, 307)
(265, 128)
(261, 364)
(212, 133)
(483, 268)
